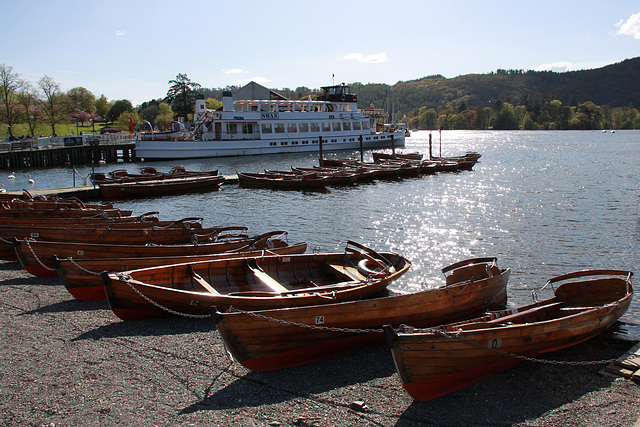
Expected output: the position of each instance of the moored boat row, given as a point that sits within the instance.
(276, 306)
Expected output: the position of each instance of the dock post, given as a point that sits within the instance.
(430, 148)
(393, 146)
(320, 151)
(361, 148)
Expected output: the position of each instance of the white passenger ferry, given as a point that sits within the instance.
(251, 127)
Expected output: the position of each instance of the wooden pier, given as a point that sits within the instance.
(65, 156)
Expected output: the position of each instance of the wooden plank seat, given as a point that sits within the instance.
(344, 272)
(262, 277)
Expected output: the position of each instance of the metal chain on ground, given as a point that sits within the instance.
(36, 256)
(125, 279)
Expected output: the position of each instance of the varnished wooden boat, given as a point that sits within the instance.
(275, 339)
(282, 182)
(437, 361)
(381, 157)
(7, 251)
(161, 187)
(252, 283)
(98, 231)
(146, 174)
(36, 255)
(82, 277)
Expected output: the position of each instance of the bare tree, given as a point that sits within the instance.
(52, 101)
(10, 86)
(28, 98)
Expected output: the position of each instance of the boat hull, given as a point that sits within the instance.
(82, 277)
(236, 148)
(434, 363)
(261, 343)
(283, 281)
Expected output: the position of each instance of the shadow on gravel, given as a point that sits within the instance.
(268, 388)
(526, 391)
(147, 328)
(70, 306)
(10, 265)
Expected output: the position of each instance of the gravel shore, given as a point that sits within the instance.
(70, 363)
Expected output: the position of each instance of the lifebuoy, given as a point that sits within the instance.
(343, 97)
(368, 268)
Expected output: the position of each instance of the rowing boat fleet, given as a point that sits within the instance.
(334, 172)
(276, 306)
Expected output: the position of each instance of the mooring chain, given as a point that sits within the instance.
(36, 257)
(517, 356)
(125, 279)
(432, 330)
(305, 325)
(95, 273)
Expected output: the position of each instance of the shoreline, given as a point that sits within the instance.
(65, 362)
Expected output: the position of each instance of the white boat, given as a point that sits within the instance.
(251, 127)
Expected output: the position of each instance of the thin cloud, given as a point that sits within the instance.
(369, 59)
(234, 71)
(120, 33)
(555, 66)
(630, 27)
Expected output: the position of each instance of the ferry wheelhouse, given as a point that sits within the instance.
(252, 127)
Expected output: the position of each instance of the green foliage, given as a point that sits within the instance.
(181, 95)
(118, 108)
(122, 122)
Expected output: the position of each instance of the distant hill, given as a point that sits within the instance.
(616, 85)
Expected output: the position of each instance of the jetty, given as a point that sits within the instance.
(67, 151)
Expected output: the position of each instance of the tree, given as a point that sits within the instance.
(28, 98)
(82, 99)
(119, 107)
(165, 115)
(52, 102)
(10, 86)
(181, 95)
(103, 106)
(213, 104)
(122, 121)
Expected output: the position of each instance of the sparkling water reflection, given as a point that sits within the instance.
(544, 203)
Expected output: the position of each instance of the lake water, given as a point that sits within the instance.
(544, 203)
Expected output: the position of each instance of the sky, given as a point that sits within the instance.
(131, 49)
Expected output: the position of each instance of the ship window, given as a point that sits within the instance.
(266, 128)
(336, 127)
(292, 127)
(315, 127)
(279, 127)
(304, 127)
(326, 127)
(233, 128)
(247, 128)
(346, 126)
(365, 125)
(356, 126)
(284, 143)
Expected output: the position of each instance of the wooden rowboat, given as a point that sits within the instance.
(252, 283)
(283, 182)
(82, 277)
(437, 361)
(161, 187)
(99, 231)
(275, 339)
(36, 255)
